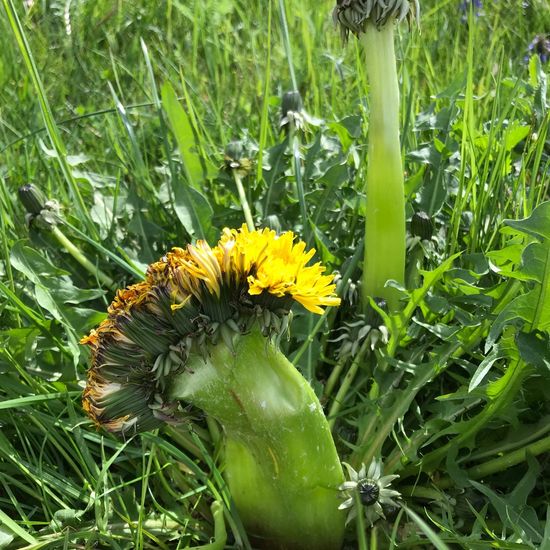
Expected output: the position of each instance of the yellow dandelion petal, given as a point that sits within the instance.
(310, 304)
(180, 305)
(90, 340)
(204, 265)
(275, 264)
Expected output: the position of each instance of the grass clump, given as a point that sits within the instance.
(121, 116)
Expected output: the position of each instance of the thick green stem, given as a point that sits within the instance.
(385, 218)
(281, 464)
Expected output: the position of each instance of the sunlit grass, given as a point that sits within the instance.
(88, 113)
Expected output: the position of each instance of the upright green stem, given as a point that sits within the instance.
(220, 534)
(345, 386)
(281, 464)
(294, 144)
(361, 528)
(243, 200)
(385, 218)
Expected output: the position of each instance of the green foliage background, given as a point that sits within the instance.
(126, 130)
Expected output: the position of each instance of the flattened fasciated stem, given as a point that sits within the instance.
(385, 231)
(281, 464)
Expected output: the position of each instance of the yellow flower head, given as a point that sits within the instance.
(261, 261)
(276, 264)
(190, 297)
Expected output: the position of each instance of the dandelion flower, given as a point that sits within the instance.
(203, 329)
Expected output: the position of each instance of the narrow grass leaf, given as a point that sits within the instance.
(16, 529)
(33, 399)
(427, 530)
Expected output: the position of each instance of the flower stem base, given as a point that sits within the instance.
(385, 219)
(281, 464)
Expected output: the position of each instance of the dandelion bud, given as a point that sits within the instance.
(292, 102)
(353, 15)
(32, 198)
(292, 110)
(235, 157)
(422, 226)
(373, 490)
(234, 151)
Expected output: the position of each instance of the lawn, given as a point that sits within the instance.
(130, 128)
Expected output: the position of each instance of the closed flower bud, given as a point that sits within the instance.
(292, 101)
(353, 15)
(422, 226)
(235, 157)
(32, 198)
(234, 150)
(292, 111)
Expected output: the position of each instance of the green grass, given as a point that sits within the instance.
(88, 113)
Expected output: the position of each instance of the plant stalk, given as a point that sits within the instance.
(243, 200)
(501, 463)
(281, 464)
(385, 218)
(345, 385)
(81, 259)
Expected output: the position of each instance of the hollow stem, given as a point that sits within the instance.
(362, 543)
(385, 217)
(345, 386)
(281, 464)
(294, 144)
(243, 200)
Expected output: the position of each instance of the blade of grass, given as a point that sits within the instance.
(49, 121)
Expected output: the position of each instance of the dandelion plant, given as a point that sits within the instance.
(374, 21)
(45, 214)
(203, 329)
